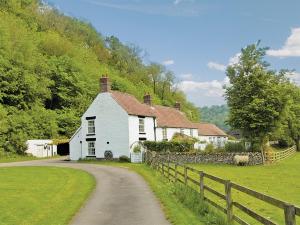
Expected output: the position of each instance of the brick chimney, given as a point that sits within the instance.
(177, 106)
(147, 99)
(104, 84)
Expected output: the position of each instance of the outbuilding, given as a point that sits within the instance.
(41, 148)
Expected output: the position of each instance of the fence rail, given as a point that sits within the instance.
(280, 155)
(173, 173)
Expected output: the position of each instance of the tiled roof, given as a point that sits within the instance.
(166, 116)
(170, 117)
(131, 105)
(209, 129)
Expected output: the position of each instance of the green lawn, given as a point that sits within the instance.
(281, 180)
(42, 195)
(15, 158)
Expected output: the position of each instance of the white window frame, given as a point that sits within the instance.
(181, 130)
(91, 128)
(164, 134)
(141, 125)
(91, 148)
(191, 132)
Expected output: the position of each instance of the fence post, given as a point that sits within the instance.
(201, 175)
(175, 173)
(185, 175)
(168, 170)
(228, 201)
(290, 214)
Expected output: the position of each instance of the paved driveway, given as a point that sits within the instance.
(121, 197)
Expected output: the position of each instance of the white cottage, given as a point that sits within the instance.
(210, 133)
(116, 121)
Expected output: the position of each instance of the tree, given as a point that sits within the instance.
(254, 96)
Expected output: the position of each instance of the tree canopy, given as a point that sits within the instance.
(50, 66)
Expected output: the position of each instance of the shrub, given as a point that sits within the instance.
(235, 147)
(209, 148)
(171, 146)
(124, 158)
(137, 149)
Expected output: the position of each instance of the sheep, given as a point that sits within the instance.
(241, 160)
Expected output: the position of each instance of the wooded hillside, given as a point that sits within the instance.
(50, 66)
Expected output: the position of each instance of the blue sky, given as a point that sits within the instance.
(197, 39)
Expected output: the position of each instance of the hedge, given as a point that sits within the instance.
(168, 146)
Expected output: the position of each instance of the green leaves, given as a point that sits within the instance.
(255, 96)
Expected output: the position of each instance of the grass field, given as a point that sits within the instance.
(42, 195)
(280, 180)
(15, 158)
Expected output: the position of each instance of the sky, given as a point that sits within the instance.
(197, 39)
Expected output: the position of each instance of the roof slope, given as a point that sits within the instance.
(209, 129)
(166, 116)
(131, 105)
(170, 117)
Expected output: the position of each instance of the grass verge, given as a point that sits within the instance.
(179, 210)
(42, 195)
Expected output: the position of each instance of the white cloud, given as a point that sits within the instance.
(176, 2)
(221, 67)
(216, 66)
(186, 76)
(290, 48)
(295, 77)
(168, 62)
(234, 59)
(212, 88)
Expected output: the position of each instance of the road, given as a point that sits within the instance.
(121, 197)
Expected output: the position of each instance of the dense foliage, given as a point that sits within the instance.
(216, 114)
(262, 102)
(50, 65)
(169, 146)
(235, 147)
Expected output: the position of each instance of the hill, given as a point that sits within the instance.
(50, 66)
(215, 114)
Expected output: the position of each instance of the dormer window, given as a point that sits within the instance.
(91, 126)
(141, 125)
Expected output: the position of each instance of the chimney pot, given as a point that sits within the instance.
(177, 106)
(104, 84)
(147, 99)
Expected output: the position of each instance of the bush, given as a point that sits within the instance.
(284, 143)
(235, 147)
(209, 148)
(171, 146)
(124, 158)
(137, 149)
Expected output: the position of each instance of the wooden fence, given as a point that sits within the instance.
(280, 155)
(176, 174)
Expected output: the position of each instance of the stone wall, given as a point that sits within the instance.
(255, 158)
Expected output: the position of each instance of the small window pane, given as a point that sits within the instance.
(164, 134)
(91, 127)
(91, 148)
(141, 125)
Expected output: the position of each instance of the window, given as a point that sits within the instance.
(91, 126)
(141, 125)
(191, 132)
(164, 134)
(91, 148)
(181, 130)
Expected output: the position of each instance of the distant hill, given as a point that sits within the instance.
(50, 66)
(215, 114)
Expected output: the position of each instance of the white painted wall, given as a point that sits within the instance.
(217, 141)
(134, 134)
(41, 148)
(172, 131)
(111, 126)
(75, 145)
